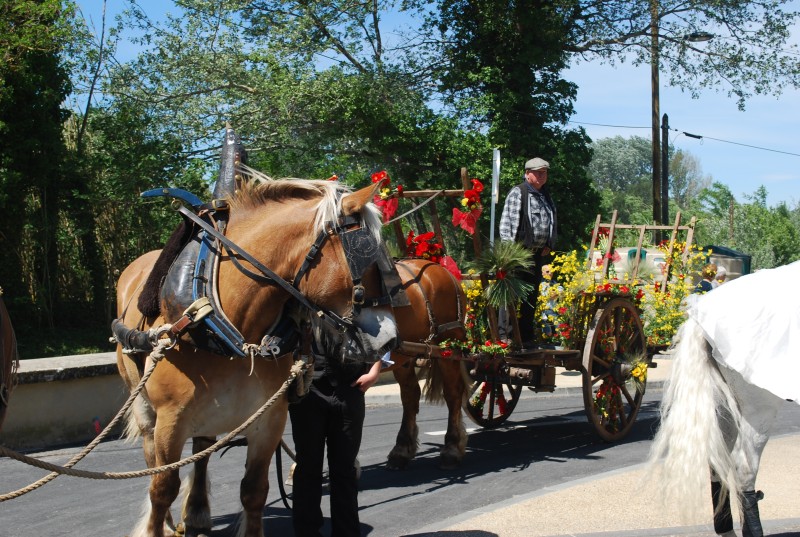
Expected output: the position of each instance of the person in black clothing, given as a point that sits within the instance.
(529, 217)
(331, 414)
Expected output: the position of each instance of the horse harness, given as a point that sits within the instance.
(192, 278)
(435, 329)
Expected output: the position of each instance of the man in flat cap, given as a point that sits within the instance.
(529, 217)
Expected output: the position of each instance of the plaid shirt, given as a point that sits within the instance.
(539, 212)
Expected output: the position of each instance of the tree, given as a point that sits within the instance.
(769, 235)
(621, 169)
(34, 84)
(686, 179)
(750, 52)
(500, 68)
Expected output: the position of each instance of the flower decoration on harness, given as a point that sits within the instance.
(386, 199)
(467, 218)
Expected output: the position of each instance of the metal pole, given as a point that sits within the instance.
(495, 196)
(656, 146)
(665, 168)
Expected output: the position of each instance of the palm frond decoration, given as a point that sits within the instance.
(505, 261)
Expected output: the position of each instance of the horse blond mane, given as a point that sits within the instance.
(259, 189)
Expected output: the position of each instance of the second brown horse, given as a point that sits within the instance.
(436, 313)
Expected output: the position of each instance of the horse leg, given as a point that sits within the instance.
(196, 512)
(164, 487)
(723, 518)
(454, 390)
(253, 489)
(758, 409)
(405, 447)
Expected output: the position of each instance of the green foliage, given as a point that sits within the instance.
(751, 52)
(506, 261)
(33, 85)
(621, 168)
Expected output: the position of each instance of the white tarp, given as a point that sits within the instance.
(753, 325)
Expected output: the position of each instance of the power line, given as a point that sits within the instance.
(691, 135)
(701, 137)
(607, 125)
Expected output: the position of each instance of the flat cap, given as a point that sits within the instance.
(537, 164)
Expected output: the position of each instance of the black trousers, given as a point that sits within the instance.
(333, 416)
(527, 314)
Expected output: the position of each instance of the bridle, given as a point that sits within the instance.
(359, 246)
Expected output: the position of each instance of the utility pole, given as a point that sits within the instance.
(665, 169)
(730, 221)
(656, 138)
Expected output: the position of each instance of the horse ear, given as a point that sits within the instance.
(355, 201)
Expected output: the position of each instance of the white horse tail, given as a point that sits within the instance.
(690, 440)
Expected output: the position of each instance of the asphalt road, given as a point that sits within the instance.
(547, 442)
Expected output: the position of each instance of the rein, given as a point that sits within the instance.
(332, 319)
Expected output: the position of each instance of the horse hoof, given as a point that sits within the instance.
(197, 532)
(396, 463)
(449, 463)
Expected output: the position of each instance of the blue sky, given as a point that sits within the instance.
(615, 101)
(621, 96)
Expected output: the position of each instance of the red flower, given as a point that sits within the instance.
(380, 176)
(450, 264)
(501, 275)
(624, 289)
(420, 246)
(446, 353)
(466, 220)
(388, 207)
(502, 344)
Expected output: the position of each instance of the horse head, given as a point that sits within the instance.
(325, 240)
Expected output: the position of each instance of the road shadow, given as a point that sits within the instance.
(451, 533)
(563, 438)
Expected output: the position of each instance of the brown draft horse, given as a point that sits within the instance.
(196, 394)
(9, 360)
(436, 312)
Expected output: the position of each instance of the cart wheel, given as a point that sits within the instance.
(490, 401)
(615, 343)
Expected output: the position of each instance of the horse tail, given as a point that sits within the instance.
(690, 439)
(433, 390)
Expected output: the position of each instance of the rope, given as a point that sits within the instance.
(156, 356)
(416, 208)
(297, 368)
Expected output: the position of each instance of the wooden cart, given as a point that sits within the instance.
(608, 330)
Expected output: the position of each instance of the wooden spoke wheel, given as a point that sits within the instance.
(614, 377)
(491, 396)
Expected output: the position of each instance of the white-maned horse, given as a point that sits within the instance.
(736, 361)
